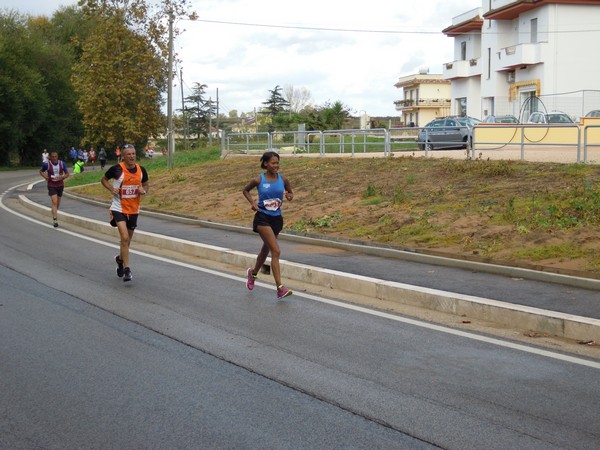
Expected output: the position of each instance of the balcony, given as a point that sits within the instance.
(462, 69)
(521, 55)
(413, 105)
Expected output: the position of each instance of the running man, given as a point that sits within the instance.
(129, 183)
(55, 172)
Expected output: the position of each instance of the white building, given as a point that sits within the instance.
(516, 57)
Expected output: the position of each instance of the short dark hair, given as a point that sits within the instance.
(266, 157)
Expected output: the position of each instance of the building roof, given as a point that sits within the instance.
(421, 79)
(472, 24)
(513, 9)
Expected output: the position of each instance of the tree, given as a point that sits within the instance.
(200, 112)
(37, 102)
(275, 103)
(122, 73)
(333, 115)
(62, 126)
(298, 98)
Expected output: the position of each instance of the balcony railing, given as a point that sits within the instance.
(422, 102)
(462, 69)
(522, 55)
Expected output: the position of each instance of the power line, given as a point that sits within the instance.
(357, 30)
(297, 27)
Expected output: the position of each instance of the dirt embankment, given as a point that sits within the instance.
(540, 215)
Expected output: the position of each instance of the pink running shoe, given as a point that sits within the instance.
(251, 278)
(282, 292)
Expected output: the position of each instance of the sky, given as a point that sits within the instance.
(350, 51)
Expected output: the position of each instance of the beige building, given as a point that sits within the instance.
(424, 98)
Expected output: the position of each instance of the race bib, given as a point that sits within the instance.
(130, 191)
(272, 204)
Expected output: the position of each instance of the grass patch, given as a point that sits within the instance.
(306, 226)
(554, 251)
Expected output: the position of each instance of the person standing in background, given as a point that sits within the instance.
(102, 157)
(73, 155)
(55, 172)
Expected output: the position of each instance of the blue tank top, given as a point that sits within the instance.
(270, 195)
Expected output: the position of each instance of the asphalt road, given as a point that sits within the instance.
(185, 357)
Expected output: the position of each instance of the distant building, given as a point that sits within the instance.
(517, 57)
(424, 97)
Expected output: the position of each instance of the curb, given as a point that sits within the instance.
(516, 316)
(386, 252)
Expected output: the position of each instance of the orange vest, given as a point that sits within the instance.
(128, 199)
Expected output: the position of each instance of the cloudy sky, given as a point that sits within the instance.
(347, 50)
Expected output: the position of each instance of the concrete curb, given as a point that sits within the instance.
(515, 316)
(496, 269)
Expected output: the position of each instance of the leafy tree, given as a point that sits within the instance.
(122, 73)
(37, 107)
(333, 115)
(62, 126)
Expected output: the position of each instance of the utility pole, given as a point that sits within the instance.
(218, 134)
(170, 133)
(210, 121)
(185, 130)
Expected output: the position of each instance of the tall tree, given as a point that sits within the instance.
(275, 103)
(298, 98)
(199, 110)
(122, 73)
(62, 126)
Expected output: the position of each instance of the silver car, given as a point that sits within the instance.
(552, 117)
(593, 113)
(501, 119)
(447, 132)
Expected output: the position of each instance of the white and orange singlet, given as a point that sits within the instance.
(129, 184)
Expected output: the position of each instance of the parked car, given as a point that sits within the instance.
(593, 113)
(447, 132)
(552, 117)
(501, 119)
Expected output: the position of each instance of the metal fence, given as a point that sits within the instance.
(383, 141)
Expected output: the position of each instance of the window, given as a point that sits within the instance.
(534, 31)
(463, 51)
(489, 63)
(461, 105)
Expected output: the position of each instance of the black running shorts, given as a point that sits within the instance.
(261, 219)
(129, 219)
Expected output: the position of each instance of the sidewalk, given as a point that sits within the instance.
(543, 302)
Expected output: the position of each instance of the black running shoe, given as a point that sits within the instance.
(120, 269)
(55, 223)
(128, 275)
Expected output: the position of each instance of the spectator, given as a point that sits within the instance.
(102, 157)
(73, 155)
